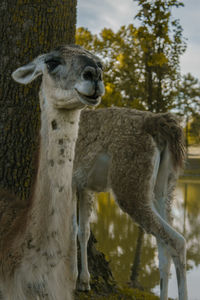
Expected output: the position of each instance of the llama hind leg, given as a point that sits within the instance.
(171, 244)
(162, 207)
(164, 268)
(85, 207)
(169, 240)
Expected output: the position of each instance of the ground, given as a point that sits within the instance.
(124, 293)
(103, 285)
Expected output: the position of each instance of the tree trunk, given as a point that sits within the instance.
(185, 208)
(187, 135)
(134, 282)
(27, 28)
(149, 86)
(159, 101)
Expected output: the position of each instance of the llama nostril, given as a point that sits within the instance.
(88, 75)
(92, 74)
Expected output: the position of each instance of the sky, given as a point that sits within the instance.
(97, 14)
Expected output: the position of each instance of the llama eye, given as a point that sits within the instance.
(52, 64)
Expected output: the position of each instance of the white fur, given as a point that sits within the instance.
(45, 264)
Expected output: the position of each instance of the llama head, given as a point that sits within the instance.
(72, 77)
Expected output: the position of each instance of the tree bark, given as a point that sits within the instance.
(149, 85)
(136, 260)
(27, 28)
(187, 134)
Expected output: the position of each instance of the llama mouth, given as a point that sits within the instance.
(89, 100)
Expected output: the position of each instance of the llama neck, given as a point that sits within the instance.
(52, 198)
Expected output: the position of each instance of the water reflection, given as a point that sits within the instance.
(117, 238)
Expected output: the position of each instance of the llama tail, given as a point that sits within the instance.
(164, 127)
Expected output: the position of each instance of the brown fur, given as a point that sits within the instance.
(140, 154)
(130, 137)
(13, 218)
(104, 127)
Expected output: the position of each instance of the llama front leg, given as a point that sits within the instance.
(180, 265)
(73, 242)
(85, 207)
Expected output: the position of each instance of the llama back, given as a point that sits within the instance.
(101, 127)
(110, 130)
(107, 131)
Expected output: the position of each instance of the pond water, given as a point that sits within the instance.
(117, 237)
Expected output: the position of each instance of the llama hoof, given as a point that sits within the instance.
(83, 286)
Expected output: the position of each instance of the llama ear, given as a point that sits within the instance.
(29, 72)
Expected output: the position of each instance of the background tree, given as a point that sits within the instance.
(121, 64)
(188, 100)
(161, 44)
(195, 128)
(141, 63)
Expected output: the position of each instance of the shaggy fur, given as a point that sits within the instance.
(137, 155)
(35, 258)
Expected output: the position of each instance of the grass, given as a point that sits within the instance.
(121, 293)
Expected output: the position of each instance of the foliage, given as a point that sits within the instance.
(188, 103)
(195, 128)
(161, 42)
(118, 53)
(188, 100)
(116, 234)
(141, 63)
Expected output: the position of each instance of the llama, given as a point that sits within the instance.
(137, 155)
(35, 253)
